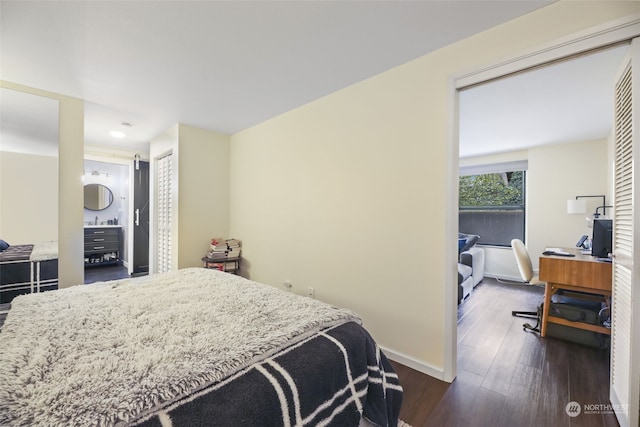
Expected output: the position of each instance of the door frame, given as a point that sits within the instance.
(607, 34)
(128, 162)
(132, 250)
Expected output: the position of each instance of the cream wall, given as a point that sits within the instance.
(70, 194)
(201, 191)
(326, 196)
(351, 194)
(29, 205)
(556, 174)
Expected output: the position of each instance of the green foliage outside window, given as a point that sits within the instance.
(496, 189)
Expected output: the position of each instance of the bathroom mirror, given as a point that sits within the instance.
(97, 197)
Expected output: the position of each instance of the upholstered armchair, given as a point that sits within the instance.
(470, 264)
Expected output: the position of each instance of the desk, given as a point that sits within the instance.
(582, 273)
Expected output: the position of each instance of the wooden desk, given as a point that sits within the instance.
(582, 273)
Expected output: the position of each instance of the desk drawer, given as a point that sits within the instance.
(587, 274)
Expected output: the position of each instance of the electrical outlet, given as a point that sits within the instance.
(311, 293)
(288, 285)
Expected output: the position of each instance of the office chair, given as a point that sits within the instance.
(526, 272)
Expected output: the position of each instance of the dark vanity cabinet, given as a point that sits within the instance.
(102, 245)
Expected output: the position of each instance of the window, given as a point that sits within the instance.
(492, 203)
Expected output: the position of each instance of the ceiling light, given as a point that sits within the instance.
(117, 134)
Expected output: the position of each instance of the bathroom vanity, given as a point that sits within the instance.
(102, 245)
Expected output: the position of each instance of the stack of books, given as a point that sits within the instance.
(222, 250)
(218, 249)
(233, 246)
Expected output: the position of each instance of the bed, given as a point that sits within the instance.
(27, 268)
(195, 347)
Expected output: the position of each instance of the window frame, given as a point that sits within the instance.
(495, 168)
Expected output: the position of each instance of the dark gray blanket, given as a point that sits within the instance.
(332, 378)
(16, 273)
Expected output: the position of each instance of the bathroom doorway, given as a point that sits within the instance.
(107, 220)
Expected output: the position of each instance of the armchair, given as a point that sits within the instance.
(470, 264)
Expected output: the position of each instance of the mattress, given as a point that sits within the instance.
(188, 348)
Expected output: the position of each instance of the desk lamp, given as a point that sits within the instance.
(578, 206)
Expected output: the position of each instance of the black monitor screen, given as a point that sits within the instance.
(601, 245)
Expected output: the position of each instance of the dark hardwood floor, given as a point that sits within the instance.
(103, 273)
(507, 376)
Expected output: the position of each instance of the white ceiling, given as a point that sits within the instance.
(227, 65)
(18, 113)
(570, 101)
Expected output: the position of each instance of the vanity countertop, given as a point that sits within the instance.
(103, 226)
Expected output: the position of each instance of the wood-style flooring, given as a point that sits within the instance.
(104, 273)
(507, 376)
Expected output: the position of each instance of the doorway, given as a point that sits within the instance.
(125, 212)
(107, 218)
(531, 120)
(559, 52)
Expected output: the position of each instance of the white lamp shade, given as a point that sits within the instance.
(576, 206)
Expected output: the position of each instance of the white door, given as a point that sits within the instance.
(625, 336)
(164, 232)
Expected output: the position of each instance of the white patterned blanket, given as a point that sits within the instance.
(44, 251)
(103, 354)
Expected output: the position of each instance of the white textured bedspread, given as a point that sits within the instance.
(104, 353)
(44, 251)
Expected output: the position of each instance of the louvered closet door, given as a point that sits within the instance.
(625, 341)
(165, 213)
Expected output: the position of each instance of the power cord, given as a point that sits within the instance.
(606, 323)
(510, 282)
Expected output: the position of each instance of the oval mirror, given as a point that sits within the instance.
(97, 197)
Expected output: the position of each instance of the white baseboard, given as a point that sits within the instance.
(504, 277)
(423, 367)
(414, 364)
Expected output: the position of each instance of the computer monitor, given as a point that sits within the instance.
(601, 242)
